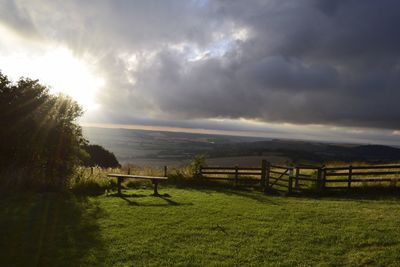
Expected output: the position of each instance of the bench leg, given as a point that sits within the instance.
(119, 182)
(155, 188)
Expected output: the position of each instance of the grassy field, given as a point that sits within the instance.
(197, 227)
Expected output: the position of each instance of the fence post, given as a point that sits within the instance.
(263, 173)
(267, 174)
(323, 178)
(199, 172)
(319, 180)
(236, 175)
(165, 171)
(296, 183)
(91, 170)
(290, 180)
(129, 171)
(350, 176)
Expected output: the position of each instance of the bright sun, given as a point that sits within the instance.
(66, 74)
(54, 66)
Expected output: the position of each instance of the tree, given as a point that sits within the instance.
(39, 134)
(99, 156)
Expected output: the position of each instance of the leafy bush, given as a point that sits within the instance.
(196, 164)
(99, 156)
(39, 136)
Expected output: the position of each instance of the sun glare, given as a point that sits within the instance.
(58, 68)
(71, 76)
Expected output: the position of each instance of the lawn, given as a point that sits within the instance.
(197, 227)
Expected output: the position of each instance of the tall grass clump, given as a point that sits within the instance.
(90, 181)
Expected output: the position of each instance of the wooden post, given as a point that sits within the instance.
(290, 180)
(296, 183)
(165, 171)
(236, 175)
(263, 174)
(119, 182)
(350, 176)
(323, 178)
(319, 181)
(267, 174)
(91, 170)
(129, 171)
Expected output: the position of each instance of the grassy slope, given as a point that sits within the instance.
(197, 227)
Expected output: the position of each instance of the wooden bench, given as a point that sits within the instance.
(154, 179)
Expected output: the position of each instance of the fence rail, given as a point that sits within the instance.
(235, 174)
(355, 176)
(299, 178)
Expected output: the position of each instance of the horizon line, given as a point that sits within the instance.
(175, 129)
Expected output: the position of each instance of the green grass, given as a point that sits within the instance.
(197, 227)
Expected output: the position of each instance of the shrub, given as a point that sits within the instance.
(99, 156)
(40, 138)
(196, 164)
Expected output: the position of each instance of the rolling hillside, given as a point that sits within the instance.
(171, 148)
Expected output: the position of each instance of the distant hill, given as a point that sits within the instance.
(154, 147)
(311, 151)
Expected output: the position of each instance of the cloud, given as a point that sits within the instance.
(300, 62)
(17, 18)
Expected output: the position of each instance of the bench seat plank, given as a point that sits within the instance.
(137, 176)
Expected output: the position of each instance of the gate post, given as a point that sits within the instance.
(263, 174)
(290, 185)
(320, 180)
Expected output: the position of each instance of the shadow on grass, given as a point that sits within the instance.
(50, 230)
(129, 198)
(248, 191)
(356, 193)
(254, 192)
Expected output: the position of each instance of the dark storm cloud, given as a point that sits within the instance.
(302, 62)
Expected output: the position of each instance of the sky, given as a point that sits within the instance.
(304, 69)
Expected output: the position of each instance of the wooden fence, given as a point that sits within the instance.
(234, 174)
(355, 176)
(300, 178)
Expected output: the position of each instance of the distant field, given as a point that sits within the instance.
(155, 149)
(197, 227)
(247, 161)
(155, 163)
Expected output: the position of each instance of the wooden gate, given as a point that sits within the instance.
(279, 178)
(287, 179)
